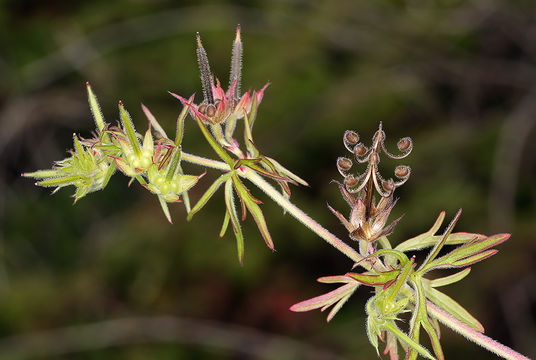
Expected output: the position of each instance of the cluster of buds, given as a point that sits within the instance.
(87, 169)
(93, 161)
(368, 219)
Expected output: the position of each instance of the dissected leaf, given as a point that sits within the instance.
(251, 203)
(95, 108)
(231, 210)
(439, 245)
(154, 123)
(324, 300)
(452, 307)
(129, 129)
(165, 209)
(208, 194)
(447, 280)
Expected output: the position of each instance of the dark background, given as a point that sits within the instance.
(109, 278)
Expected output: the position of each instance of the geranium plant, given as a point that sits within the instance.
(399, 284)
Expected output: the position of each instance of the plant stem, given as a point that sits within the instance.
(473, 335)
(448, 320)
(199, 160)
(303, 217)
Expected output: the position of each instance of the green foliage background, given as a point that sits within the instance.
(458, 77)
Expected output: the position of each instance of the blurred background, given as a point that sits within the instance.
(110, 279)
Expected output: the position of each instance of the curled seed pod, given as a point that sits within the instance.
(344, 164)
(351, 181)
(388, 185)
(360, 150)
(211, 110)
(401, 171)
(404, 144)
(350, 139)
(202, 109)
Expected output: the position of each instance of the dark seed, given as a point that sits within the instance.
(387, 185)
(401, 171)
(360, 150)
(404, 144)
(344, 164)
(350, 181)
(351, 137)
(202, 109)
(211, 110)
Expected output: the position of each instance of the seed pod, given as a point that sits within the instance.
(202, 109)
(404, 144)
(388, 185)
(401, 171)
(351, 137)
(360, 150)
(351, 181)
(344, 164)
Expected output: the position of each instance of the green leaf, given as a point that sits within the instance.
(128, 126)
(208, 194)
(452, 307)
(248, 137)
(395, 253)
(428, 238)
(470, 260)
(95, 108)
(41, 174)
(391, 326)
(286, 173)
(231, 210)
(471, 252)
(165, 209)
(59, 181)
(435, 250)
(375, 279)
(225, 224)
(338, 306)
(335, 279)
(109, 172)
(174, 163)
(180, 121)
(447, 280)
(154, 123)
(185, 196)
(325, 300)
(434, 339)
(254, 209)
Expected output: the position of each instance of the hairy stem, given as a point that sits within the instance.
(199, 160)
(303, 217)
(473, 335)
(448, 320)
